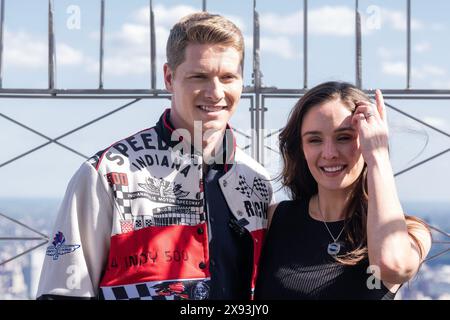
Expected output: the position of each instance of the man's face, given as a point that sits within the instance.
(206, 87)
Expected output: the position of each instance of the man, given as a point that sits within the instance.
(175, 211)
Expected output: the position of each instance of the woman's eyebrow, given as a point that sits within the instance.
(344, 129)
(311, 133)
(337, 130)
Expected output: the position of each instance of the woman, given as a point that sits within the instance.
(345, 214)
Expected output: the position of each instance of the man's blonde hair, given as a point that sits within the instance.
(202, 28)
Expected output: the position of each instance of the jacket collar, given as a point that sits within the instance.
(166, 131)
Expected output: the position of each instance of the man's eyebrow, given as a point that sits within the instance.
(337, 130)
(197, 71)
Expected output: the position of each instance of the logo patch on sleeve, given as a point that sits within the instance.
(59, 248)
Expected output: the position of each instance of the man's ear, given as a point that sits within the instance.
(168, 77)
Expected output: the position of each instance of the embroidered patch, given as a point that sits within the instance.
(259, 188)
(163, 188)
(162, 191)
(59, 248)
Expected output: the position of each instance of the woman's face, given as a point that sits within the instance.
(331, 145)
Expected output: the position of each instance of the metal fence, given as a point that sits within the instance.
(255, 93)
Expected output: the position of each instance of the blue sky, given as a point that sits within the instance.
(46, 172)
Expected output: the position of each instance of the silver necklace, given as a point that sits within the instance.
(334, 247)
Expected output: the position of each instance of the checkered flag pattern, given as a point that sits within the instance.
(243, 187)
(138, 222)
(126, 226)
(258, 187)
(188, 216)
(148, 221)
(157, 290)
(261, 187)
(142, 291)
(119, 194)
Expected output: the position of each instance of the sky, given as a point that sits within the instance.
(331, 54)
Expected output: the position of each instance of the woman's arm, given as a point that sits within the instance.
(390, 247)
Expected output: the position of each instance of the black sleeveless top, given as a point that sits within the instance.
(295, 263)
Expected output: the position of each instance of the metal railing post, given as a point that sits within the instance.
(257, 85)
(358, 49)
(305, 44)
(2, 25)
(152, 48)
(51, 47)
(408, 44)
(102, 33)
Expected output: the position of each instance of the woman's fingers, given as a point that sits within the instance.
(357, 119)
(380, 104)
(367, 110)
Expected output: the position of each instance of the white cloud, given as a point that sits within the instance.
(132, 33)
(326, 21)
(164, 16)
(398, 68)
(280, 46)
(422, 47)
(393, 53)
(130, 46)
(26, 50)
(168, 16)
(394, 68)
(443, 275)
(23, 50)
(335, 21)
(133, 37)
(292, 24)
(397, 20)
(66, 55)
(129, 51)
(332, 20)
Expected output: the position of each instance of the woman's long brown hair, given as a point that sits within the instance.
(298, 180)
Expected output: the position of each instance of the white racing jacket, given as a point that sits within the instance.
(132, 223)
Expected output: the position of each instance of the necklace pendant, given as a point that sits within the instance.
(333, 248)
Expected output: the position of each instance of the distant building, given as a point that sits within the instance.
(36, 262)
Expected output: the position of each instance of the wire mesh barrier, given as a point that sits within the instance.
(257, 95)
